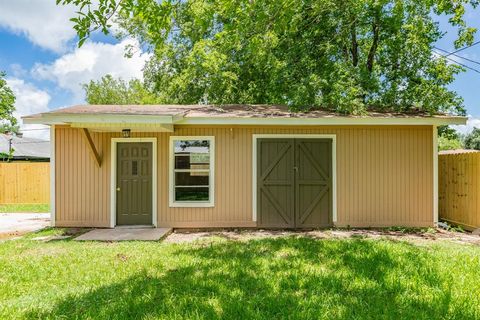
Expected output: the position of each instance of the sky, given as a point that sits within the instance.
(44, 66)
(46, 69)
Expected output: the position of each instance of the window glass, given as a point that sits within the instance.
(134, 168)
(191, 179)
(191, 194)
(191, 170)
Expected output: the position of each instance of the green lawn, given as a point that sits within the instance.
(24, 207)
(294, 278)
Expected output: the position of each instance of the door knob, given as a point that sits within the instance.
(118, 188)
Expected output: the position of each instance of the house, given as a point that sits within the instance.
(24, 148)
(192, 166)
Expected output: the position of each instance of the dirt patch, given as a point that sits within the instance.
(411, 236)
(187, 236)
(11, 235)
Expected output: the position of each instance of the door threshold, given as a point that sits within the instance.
(135, 226)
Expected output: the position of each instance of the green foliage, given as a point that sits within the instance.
(472, 140)
(349, 56)
(25, 207)
(109, 90)
(449, 144)
(449, 139)
(453, 227)
(7, 104)
(8, 127)
(7, 156)
(448, 132)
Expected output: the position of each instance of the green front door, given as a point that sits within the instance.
(294, 183)
(134, 183)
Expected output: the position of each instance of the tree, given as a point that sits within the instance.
(109, 90)
(472, 140)
(9, 128)
(449, 138)
(448, 132)
(349, 56)
(7, 104)
(449, 144)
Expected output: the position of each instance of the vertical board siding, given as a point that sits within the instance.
(24, 182)
(384, 176)
(82, 188)
(459, 188)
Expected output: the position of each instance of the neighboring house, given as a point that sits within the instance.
(24, 149)
(241, 166)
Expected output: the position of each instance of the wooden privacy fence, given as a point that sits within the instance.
(24, 182)
(459, 188)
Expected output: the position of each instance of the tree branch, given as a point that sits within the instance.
(374, 46)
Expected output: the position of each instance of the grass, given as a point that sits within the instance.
(289, 278)
(24, 207)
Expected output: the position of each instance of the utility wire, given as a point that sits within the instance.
(461, 49)
(463, 65)
(456, 55)
(33, 129)
(33, 142)
(21, 130)
(458, 63)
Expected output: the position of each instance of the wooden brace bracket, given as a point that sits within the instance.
(94, 151)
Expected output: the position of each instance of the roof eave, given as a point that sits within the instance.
(324, 121)
(53, 119)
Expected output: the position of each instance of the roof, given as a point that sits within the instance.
(25, 148)
(458, 151)
(228, 114)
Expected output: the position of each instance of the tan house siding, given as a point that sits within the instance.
(82, 188)
(384, 176)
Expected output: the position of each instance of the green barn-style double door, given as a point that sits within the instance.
(294, 183)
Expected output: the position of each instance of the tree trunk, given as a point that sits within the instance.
(354, 48)
(374, 46)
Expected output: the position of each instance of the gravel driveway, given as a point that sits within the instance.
(15, 224)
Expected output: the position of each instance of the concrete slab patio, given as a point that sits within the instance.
(125, 234)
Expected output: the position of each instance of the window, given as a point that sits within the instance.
(191, 171)
(134, 167)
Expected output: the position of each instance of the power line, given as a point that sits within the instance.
(463, 65)
(461, 49)
(458, 56)
(458, 63)
(30, 142)
(21, 130)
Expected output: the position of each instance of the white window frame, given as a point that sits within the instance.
(171, 173)
(53, 189)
